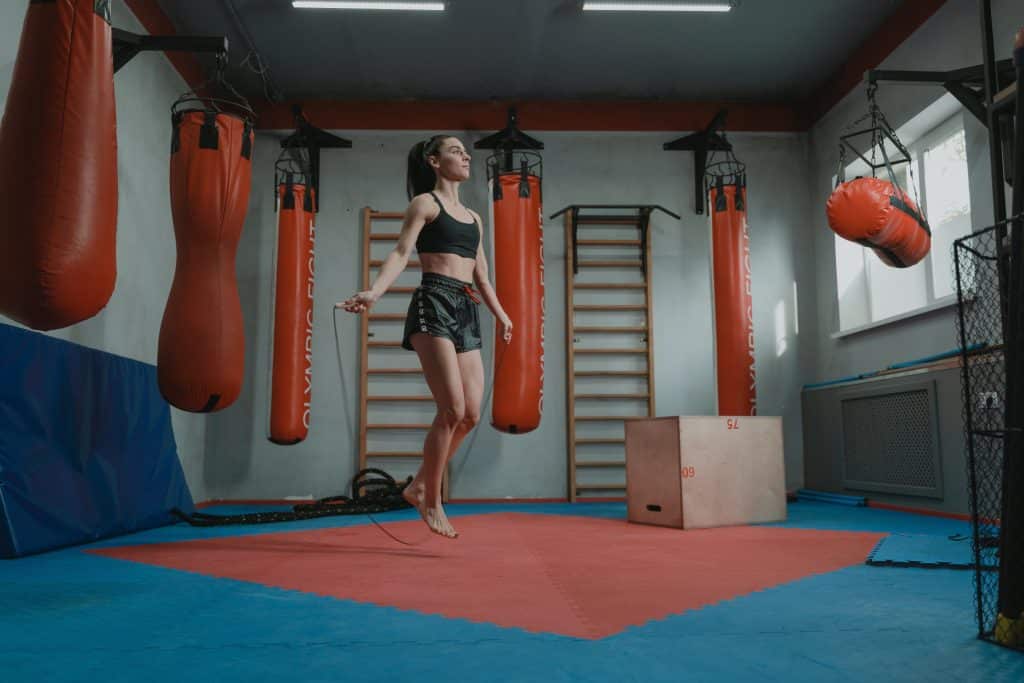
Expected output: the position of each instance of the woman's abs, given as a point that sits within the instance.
(458, 267)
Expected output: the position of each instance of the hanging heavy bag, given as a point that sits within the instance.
(878, 214)
(58, 165)
(519, 283)
(201, 347)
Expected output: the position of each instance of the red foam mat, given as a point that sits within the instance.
(576, 576)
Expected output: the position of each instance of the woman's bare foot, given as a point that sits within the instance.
(415, 495)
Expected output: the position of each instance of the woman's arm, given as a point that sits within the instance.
(482, 280)
(397, 259)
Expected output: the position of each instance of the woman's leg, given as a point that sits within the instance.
(471, 368)
(441, 369)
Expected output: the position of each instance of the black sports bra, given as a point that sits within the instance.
(445, 235)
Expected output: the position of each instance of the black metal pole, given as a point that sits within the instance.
(1011, 528)
(991, 74)
(994, 138)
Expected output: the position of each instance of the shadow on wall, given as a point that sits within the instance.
(228, 451)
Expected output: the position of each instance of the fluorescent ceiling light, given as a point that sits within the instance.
(658, 6)
(369, 4)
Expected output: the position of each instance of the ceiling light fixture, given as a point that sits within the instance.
(657, 6)
(370, 5)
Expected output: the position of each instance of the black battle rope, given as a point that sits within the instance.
(380, 494)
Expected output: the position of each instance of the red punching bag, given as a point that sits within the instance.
(201, 355)
(519, 283)
(58, 168)
(734, 304)
(880, 215)
(292, 357)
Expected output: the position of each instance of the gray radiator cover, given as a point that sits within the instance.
(890, 440)
(932, 470)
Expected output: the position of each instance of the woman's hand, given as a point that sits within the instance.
(506, 333)
(358, 303)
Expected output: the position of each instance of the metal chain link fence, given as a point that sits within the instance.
(981, 301)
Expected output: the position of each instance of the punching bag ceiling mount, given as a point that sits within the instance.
(311, 139)
(508, 139)
(127, 45)
(708, 140)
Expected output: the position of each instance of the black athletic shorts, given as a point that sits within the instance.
(444, 307)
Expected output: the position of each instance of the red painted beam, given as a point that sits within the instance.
(156, 23)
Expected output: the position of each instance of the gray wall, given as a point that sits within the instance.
(579, 168)
(950, 39)
(130, 323)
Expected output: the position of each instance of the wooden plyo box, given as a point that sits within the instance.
(700, 472)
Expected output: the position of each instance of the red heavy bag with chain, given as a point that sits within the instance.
(875, 213)
(58, 168)
(880, 215)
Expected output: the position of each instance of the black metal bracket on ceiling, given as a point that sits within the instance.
(312, 139)
(700, 144)
(509, 139)
(967, 85)
(128, 44)
(641, 220)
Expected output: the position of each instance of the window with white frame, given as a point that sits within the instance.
(868, 291)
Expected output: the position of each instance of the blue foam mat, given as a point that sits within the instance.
(923, 550)
(87, 449)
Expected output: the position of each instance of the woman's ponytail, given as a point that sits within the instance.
(420, 176)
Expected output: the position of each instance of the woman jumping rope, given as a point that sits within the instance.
(442, 324)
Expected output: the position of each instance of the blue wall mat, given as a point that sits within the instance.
(86, 446)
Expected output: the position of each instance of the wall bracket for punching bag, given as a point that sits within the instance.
(311, 139)
(708, 140)
(967, 85)
(509, 139)
(128, 44)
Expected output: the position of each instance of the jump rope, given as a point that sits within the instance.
(499, 352)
